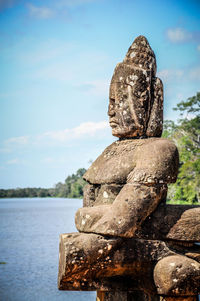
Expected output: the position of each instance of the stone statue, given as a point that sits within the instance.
(129, 179)
(127, 232)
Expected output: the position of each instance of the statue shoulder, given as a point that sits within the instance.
(159, 148)
(157, 162)
(114, 164)
(138, 160)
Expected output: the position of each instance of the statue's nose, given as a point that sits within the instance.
(111, 109)
(111, 112)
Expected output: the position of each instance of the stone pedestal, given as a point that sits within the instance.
(138, 296)
(186, 298)
(125, 296)
(108, 264)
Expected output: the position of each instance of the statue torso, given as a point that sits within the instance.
(109, 172)
(115, 163)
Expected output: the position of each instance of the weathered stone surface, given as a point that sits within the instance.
(124, 216)
(88, 195)
(107, 193)
(177, 275)
(194, 255)
(141, 55)
(91, 261)
(142, 166)
(96, 194)
(156, 118)
(156, 163)
(166, 217)
(147, 161)
(136, 95)
(90, 255)
(175, 298)
(125, 296)
(188, 226)
(157, 226)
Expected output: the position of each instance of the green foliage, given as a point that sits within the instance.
(186, 135)
(169, 128)
(191, 105)
(25, 193)
(71, 188)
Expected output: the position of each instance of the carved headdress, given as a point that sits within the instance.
(136, 95)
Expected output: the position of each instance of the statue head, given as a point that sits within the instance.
(136, 95)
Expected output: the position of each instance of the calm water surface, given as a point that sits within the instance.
(29, 241)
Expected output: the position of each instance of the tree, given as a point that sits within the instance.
(186, 135)
(72, 187)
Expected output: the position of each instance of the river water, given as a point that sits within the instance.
(29, 241)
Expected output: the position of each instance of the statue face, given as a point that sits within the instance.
(129, 104)
(122, 117)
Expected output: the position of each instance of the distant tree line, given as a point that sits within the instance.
(26, 192)
(71, 188)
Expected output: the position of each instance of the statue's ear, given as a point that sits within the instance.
(155, 123)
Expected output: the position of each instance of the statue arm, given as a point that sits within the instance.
(131, 207)
(146, 187)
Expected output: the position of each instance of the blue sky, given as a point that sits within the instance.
(57, 59)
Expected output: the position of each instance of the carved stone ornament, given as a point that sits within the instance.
(131, 245)
(136, 94)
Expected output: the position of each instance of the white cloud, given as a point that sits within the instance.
(178, 35)
(170, 74)
(90, 128)
(60, 8)
(84, 129)
(40, 12)
(186, 74)
(198, 47)
(14, 143)
(17, 141)
(13, 161)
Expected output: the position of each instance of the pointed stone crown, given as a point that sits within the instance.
(141, 55)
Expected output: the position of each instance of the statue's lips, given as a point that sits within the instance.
(113, 124)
